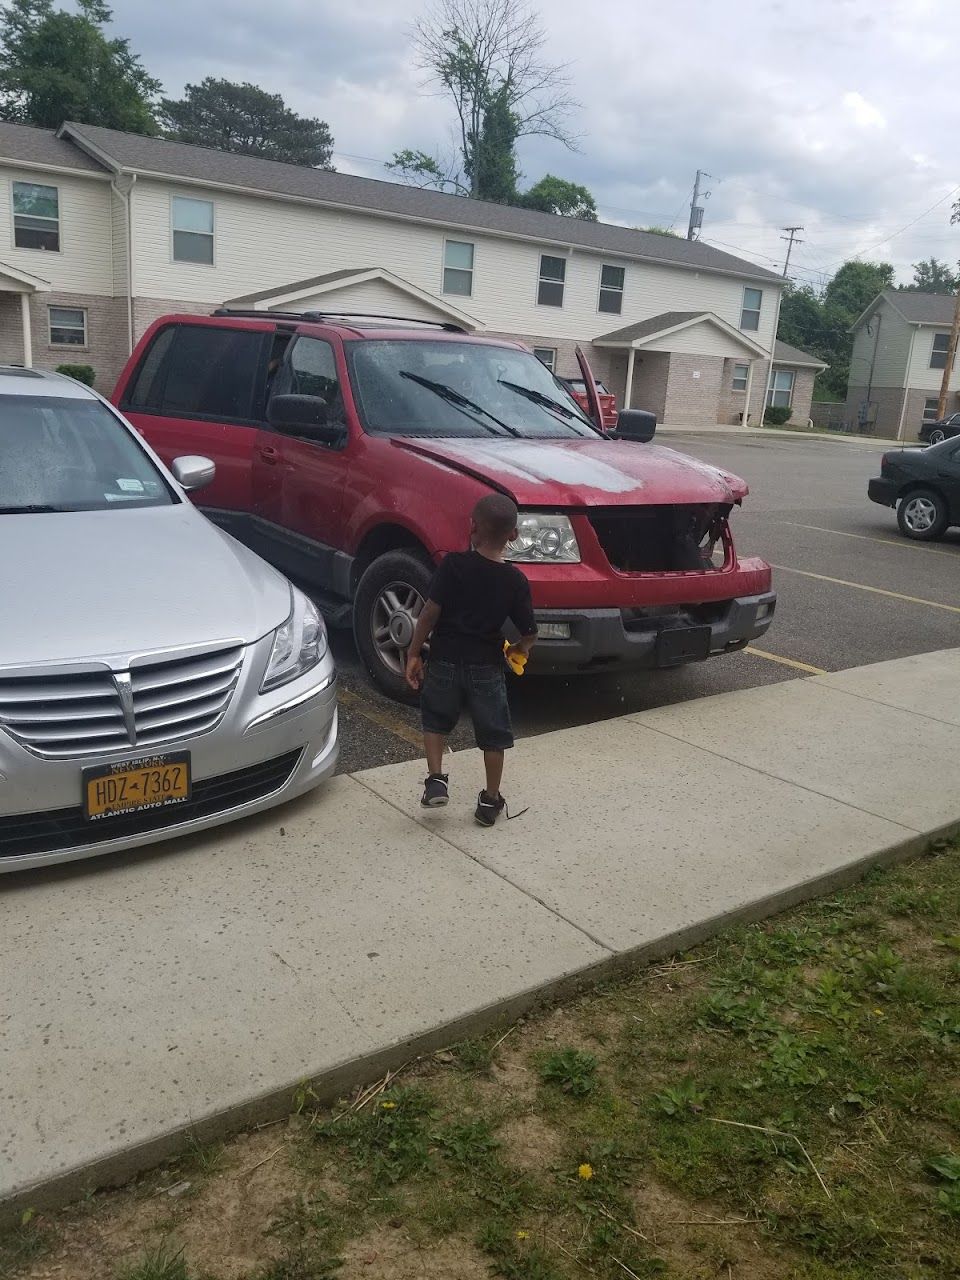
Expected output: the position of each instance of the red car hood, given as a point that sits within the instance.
(583, 473)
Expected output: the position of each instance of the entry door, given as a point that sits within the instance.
(300, 482)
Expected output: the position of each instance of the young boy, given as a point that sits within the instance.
(471, 596)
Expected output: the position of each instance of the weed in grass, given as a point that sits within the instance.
(512, 1258)
(470, 1144)
(390, 1139)
(475, 1056)
(574, 1071)
(943, 1028)
(305, 1230)
(204, 1157)
(161, 1262)
(29, 1239)
(681, 1100)
(947, 1169)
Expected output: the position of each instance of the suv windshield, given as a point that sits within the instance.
(459, 389)
(61, 454)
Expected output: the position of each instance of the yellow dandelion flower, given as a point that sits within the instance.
(879, 1013)
(521, 1235)
(585, 1172)
(388, 1106)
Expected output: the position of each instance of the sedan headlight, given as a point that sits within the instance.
(298, 645)
(545, 539)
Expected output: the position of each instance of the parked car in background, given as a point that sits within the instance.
(351, 450)
(156, 677)
(924, 486)
(608, 401)
(943, 429)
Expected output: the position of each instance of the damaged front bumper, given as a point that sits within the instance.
(654, 637)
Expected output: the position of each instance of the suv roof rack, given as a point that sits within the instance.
(320, 316)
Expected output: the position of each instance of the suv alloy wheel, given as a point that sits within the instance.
(389, 598)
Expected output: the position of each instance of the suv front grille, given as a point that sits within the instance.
(57, 829)
(691, 538)
(95, 712)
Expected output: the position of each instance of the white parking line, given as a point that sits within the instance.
(903, 543)
(860, 586)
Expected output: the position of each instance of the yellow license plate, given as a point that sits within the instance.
(134, 786)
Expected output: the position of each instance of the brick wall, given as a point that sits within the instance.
(803, 380)
(691, 400)
(732, 404)
(651, 376)
(106, 348)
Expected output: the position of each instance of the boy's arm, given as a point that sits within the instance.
(521, 615)
(429, 617)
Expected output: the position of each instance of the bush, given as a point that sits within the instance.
(777, 414)
(82, 372)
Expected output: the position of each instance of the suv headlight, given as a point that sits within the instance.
(298, 645)
(544, 538)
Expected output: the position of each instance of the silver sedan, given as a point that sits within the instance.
(156, 677)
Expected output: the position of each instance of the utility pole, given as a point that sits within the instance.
(696, 209)
(951, 356)
(791, 239)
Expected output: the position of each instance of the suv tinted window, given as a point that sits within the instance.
(200, 371)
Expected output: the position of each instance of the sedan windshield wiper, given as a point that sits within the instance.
(545, 401)
(459, 401)
(31, 508)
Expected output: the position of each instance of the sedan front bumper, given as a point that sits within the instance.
(600, 639)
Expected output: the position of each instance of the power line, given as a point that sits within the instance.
(790, 238)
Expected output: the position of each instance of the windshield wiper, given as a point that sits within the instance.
(31, 508)
(459, 401)
(545, 401)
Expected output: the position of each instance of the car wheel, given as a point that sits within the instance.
(389, 598)
(937, 436)
(922, 514)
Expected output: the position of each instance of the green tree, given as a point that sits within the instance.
(245, 118)
(845, 298)
(57, 66)
(556, 195)
(491, 163)
(661, 231)
(934, 276)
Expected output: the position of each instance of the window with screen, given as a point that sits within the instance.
(740, 374)
(547, 356)
(930, 407)
(780, 390)
(611, 289)
(458, 267)
(36, 216)
(192, 230)
(940, 351)
(750, 312)
(553, 272)
(68, 326)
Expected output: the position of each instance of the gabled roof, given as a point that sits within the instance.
(178, 160)
(783, 353)
(915, 307)
(657, 327)
(30, 282)
(286, 294)
(42, 147)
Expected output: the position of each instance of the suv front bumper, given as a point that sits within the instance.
(605, 638)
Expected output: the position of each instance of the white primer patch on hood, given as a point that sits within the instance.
(536, 464)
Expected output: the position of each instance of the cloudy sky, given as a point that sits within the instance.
(837, 115)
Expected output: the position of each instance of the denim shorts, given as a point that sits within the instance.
(449, 686)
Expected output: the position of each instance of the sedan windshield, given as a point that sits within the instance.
(63, 454)
(460, 389)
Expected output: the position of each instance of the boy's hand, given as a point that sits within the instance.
(414, 672)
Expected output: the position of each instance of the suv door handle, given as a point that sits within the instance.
(269, 454)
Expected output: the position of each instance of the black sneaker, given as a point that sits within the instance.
(489, 808)
(435, 791)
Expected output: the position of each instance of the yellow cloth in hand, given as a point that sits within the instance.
(515, 661)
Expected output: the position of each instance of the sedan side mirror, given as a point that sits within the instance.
(636, 424)
(305, 416)
(193, 472)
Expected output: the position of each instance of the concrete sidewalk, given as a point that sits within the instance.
(194, 985)
(784, 433)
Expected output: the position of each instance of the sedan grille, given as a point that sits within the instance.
(157, 700)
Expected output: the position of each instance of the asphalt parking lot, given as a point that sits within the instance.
(851, 591)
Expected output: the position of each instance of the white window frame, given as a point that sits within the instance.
(551, 364)
(751, 311)
(67, 346)
(444, 268)
(190, 262)
(541, 279)
(773, 390)
(735, 378)
(602, 289)
(25, 248)
(944, 352)
(930, 406)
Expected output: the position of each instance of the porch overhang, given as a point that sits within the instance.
(15, 280)
(659, 333)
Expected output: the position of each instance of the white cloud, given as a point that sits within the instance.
(864, 113)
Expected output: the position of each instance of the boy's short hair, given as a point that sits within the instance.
(496, 517)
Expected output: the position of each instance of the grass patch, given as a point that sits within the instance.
(780, 1102)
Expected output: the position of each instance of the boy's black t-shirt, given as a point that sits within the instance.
(476, 596)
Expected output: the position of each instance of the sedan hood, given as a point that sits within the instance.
(89, 584)
(585, 472)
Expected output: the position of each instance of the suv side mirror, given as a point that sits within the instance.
(193, 472)
(305, 416)
(636, 424)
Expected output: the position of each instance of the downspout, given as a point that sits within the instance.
(773, 351)
(123, 185)
(873, 358)
(906, 382)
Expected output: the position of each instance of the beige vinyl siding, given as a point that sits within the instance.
(85, 261)
(118, 210)
(892, 344)
(700, 339)
(263, 243)
(369, 295)
(921, 375)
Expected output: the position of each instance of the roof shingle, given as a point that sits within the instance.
(42, 146)
(201, 164)
(922, 308)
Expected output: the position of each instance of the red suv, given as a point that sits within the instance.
(350, 451)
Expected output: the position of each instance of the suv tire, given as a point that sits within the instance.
(389, 598)
(922, 515)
